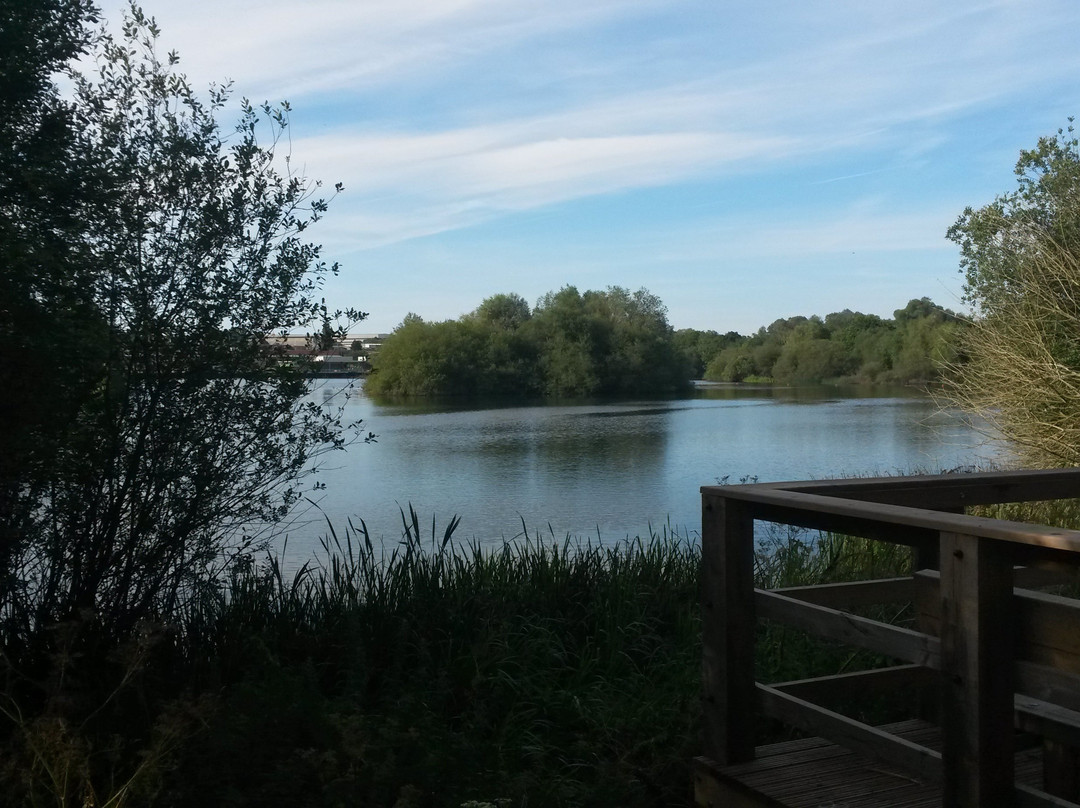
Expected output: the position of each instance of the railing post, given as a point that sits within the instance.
(976, 660)
(728, 628)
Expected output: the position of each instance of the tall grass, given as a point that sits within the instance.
(545, 672)
(1063, 513)
(434, 673)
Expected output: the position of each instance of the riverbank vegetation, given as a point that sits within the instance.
(844, 346)
(596, 343)
(1020, 257)
(541, 672)
(150, 436)
(617, 343)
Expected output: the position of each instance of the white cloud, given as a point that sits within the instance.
(839, 79)
(281, 49)
(505, 160)
(861, 229)
(405, 185)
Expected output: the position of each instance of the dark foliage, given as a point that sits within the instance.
(606, 343)
(846, 346)
(151, 437)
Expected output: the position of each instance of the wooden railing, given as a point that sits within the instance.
(1000, 661)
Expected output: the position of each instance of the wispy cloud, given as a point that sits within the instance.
(452, 179)
(444, 115)
(281, 49)
(889, 92)
(850, 176)
(862, 228)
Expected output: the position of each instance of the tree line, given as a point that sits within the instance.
(845, 346)
(615, 342)
(596, 343)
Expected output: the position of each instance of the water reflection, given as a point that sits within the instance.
(611, 469)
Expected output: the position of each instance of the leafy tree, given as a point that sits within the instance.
(572, 344)
(700, 347)
(49, 324)
(328, 335)
(812, 361)
(640, 355)
(175, 249)
(922, 308)
(734, 364)
(403, 365)
(614, 342)
(852, 328)
(476, 355)
(845, 345)
(1020, 256)
(508, 311)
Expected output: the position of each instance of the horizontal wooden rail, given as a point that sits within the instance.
(993, 656)
(884, 519)
(940, 491)
(796, 712)
(1048, 720)
(1047, 683)
(1028, 797)
(858, 684)
(854, 594)
(1046, 627)
(1032, 715)
(833, 624)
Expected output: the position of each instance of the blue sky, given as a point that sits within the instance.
(744, 161)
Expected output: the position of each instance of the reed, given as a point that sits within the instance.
(545, 671)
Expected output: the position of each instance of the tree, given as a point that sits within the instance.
(598, 343)
(572, 344)
(811, 360)
(328, 336)
(173, 250)
(49, 326)
(613, 342)
(699, 348)
(421, 359)
(1020, 256)
(508, 311)
(732, 364)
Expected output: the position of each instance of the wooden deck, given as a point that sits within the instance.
(815, 773)
(993, 660)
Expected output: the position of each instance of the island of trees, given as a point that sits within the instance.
(616, 342)
(613, 342)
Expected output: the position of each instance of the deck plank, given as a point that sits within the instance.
(812, 773)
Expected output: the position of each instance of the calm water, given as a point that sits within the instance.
(612, 470)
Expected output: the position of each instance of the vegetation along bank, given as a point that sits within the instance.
(615, 342)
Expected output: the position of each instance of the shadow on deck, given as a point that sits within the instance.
(992, 662)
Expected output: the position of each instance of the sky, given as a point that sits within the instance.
(744, 161)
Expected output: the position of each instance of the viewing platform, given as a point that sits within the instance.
(987, 660)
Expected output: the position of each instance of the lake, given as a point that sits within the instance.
(605, 471)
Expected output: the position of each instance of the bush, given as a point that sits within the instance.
(1021, 262)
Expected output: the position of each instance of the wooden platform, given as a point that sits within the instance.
(813, 773)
